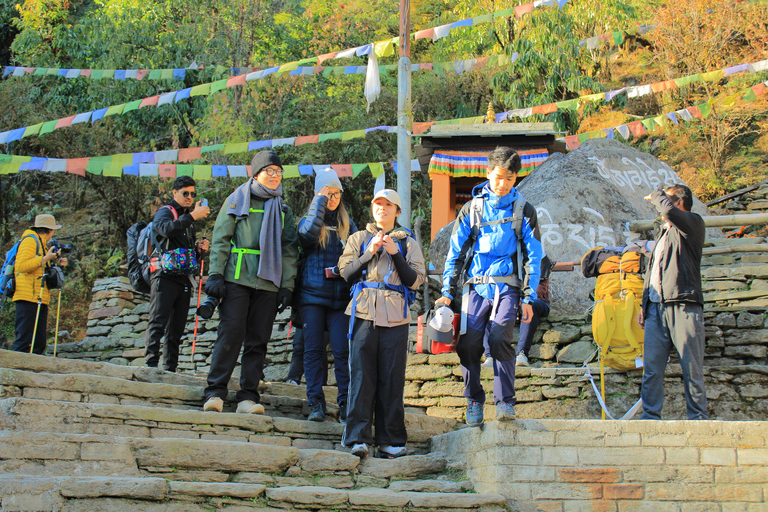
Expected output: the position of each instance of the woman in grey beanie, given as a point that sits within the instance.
(322, 294)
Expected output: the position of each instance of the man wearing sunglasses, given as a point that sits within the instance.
(173, 227)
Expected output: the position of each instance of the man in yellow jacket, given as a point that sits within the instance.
(31, 259)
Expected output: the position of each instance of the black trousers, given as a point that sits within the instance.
(247, 316)
(377, 360)
(25, 326)
(168, 308)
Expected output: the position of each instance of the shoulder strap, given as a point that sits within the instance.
(475, 216)
(155, 236)
(37, 242)
(518, 209)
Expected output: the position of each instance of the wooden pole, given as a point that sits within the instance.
(404, 115)
(710, 221)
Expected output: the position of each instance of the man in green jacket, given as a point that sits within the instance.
(253, 268)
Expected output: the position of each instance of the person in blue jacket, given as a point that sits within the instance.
(502, 274)
(323, 294)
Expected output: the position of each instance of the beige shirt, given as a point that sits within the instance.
(382, 306)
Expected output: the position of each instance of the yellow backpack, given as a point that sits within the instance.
(618, 296)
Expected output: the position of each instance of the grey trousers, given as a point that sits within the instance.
(679, 325)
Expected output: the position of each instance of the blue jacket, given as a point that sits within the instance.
(495, 248)
(314, 288)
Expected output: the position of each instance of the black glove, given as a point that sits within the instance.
(283, 299)
(215, 286)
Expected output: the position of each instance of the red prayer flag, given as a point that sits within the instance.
(637, 129)
(86, 73)
(421, 127)
(424, 34)
(249, 170)
(318, 70)
(141, 73)
(77, 166)
(189, 154)
(572, 141)
(308, 139)
(520, 10)
(427, 66)
(544, 109)
(236, 80)
(694, 111)
(166, 170)
(759, 89)
(343, 170)
(322, 58)
(146, 102)
(64, 122)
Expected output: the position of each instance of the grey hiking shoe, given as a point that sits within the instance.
(505, 411)
(474, 413)
(249, 407)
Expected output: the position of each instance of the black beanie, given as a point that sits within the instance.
(263, 159)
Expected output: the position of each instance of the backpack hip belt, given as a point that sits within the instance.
(511, 281)
(240, 252)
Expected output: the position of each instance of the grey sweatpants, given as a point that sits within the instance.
(679, 325)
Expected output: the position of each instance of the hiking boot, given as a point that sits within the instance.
(343, 413)
(488, 363)
(474, 414)
(213, 404)
(521, 360)
(360, 450)
(318, 412)
(291, 381)
(505, 411)
(249, 407)
(391, 452)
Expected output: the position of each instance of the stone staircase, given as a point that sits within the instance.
(79, 436)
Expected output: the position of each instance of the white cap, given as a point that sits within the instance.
(390, 195)
(443, 319)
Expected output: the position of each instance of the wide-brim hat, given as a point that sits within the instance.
(47, 221)
(390, 195)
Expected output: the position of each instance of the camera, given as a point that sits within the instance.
(332, 272)
(61, 248)
(208, 306)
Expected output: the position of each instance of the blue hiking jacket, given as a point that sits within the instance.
(495, 248)
(313, 287)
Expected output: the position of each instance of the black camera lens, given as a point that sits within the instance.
(207, 307)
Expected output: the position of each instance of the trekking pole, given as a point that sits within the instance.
(199, 291)
(56, 336)
(37, 315)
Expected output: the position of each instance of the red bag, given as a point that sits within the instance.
(426, 345)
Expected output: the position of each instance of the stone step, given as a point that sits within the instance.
(81, 493)
(34, 415)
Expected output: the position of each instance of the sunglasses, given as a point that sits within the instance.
(189, 194)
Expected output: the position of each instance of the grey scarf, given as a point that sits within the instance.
(270, 238)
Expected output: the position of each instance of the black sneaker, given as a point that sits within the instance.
(318, 412)
(343, 413)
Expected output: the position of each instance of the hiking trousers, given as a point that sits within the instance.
(168, 309)
(678, 325)
(527, 331)
(377, 359)
(247, 315)
(318, 320)
(26, 312)
(499, 333)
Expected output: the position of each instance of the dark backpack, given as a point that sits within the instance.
(141, 240)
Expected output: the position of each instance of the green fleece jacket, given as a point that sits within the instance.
(244, 234)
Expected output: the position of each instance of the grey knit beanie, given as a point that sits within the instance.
(327, 178)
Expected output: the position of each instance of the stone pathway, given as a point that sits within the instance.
(83, 436)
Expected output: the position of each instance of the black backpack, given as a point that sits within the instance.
(137, 265)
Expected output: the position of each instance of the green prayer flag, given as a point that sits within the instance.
(687, 80)
(215, 147)
(96, 164)
(338, 70)
(113, 170)
(583, 137)
(219, 70)
(327, 71)
(201, 172)
(705, 109)
(750, 95)
(387, 68)
(354, 134)
(357, 169)
(291, 171)
(200, 90)
(218, 85)
(52, 71)
(438, 68)
(166, 74)
(108, 73)
(40, 72)
(114, 110)
(648, 124)
(155, 74)
(19, 159)
(485, 18)
(568, 104)
(330, 136)
(4, 159)
(598, 134)
(48, 127)
(32, 130)
(96, 74)
(618, 38)
(231, 149)
(377, 169)
(504, 12)
(134, 105)
(184, 169)
(661, 121)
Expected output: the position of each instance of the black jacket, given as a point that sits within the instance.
(681, 259)
(173, 234)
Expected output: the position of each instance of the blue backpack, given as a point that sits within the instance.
(8, 273)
